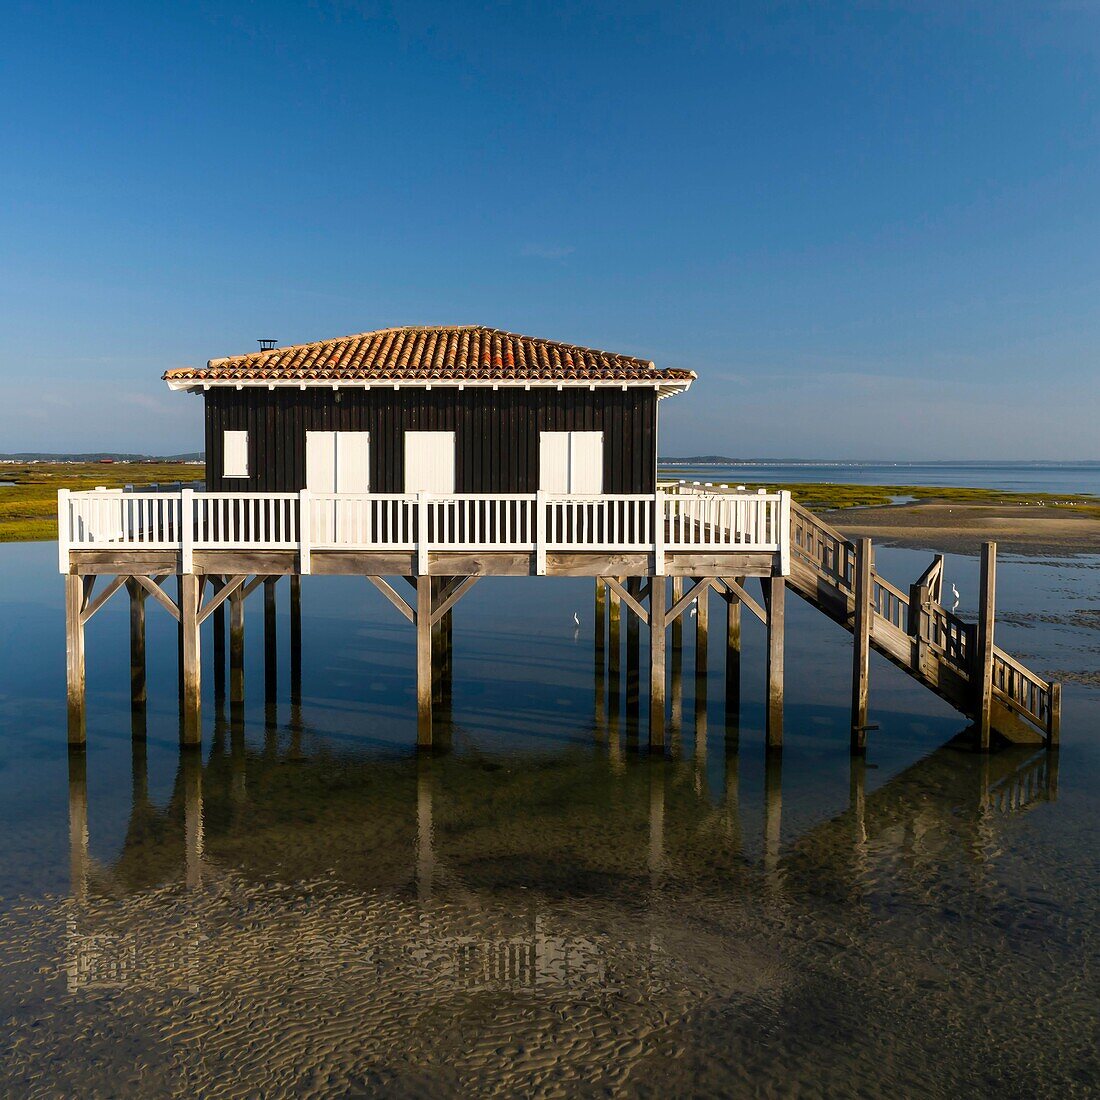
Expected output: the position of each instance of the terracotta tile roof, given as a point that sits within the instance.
(453, 353)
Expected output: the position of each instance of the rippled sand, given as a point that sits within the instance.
(351, 926)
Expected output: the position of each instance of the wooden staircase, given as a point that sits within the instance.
(918, 634)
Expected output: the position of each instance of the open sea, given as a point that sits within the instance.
(307, 907)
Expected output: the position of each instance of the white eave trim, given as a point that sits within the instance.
(664, 388)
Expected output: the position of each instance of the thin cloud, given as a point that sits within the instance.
(556, 252)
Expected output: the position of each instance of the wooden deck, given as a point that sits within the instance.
(223, 546)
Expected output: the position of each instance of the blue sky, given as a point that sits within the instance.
(872, 228)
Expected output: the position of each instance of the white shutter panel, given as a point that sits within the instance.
(586, 462)
(235, 454)
(321, 462)
(430, 462)
(353, 462)
(554, 462)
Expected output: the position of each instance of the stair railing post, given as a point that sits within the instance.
(422, 534)
(861, 643)
(983, 657)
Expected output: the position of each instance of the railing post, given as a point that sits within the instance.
(304, 555)
(540, 533)
(1054, 714)
(64, 530)
(861, 642)
(187, 530)
(422, 534)
(785, 533)
(658, 535)
(983, 658)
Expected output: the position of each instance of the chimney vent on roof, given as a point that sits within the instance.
(267, 345)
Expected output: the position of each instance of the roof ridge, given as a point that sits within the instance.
(288, 348)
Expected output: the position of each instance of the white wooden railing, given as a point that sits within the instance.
(536, 523)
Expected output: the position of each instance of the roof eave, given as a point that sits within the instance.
(666, 387)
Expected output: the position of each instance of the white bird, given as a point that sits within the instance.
(576, 619)
(693, 608)
(955, 593)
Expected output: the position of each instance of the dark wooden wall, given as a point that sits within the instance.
(496, 433)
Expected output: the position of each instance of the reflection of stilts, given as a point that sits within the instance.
(425, 854)
(191, 766)
(656, 859)
(733, 797)
(78, 825)
(773, 810)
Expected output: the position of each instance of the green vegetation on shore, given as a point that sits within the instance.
(28, 509)
(826, 496)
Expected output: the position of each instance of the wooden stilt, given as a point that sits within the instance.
(614, 651)
(702, 626)
(191, 726)
(236, 648)
(599, 679)
(218, 650)
(658, 607)
(296, 639)
(776, 588)
(179, 642)
(733, 649)
(861, 644)
(271, 639)
(678, 622)
(138, 690)
(74, 659)
(983, 664)
(633, 664)
(424, 661)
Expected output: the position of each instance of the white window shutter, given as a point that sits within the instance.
(235, 454)
(321, 462)
(586, 462)
(554, 462)
(353, 462)
(430, 462)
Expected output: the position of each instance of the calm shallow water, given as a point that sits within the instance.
(308, 908)
(1018, 477)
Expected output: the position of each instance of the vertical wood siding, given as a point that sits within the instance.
(496, 433)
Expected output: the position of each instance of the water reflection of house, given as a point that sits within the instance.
(360, 914)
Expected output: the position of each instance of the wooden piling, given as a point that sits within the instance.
(702, 627)
(271, 638)
(776, 588)
(983, 658)
(74, 659)
(633, 661)
(191, 726)
(678, 622)
(599, 619)
(218, 650)
(296, 638)
(236, 648)
(138, 688)
(733, 649)
(614, 653)
(861, 644)
(424, 661)
(658, 607)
